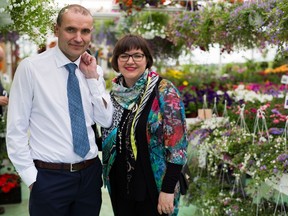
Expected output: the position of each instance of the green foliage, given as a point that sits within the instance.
(34, 18)
(108, 77)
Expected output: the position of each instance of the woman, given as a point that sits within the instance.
(145, 148)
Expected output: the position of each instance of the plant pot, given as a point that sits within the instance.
(204, 113)
(12, 197)
(191, 115)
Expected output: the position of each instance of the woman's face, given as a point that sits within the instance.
(132, 65)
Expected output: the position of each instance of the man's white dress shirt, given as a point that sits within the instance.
(38, 123)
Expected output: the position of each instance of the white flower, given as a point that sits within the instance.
(219, 92)
(262, 139)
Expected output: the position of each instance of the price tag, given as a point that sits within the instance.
(284, 79)
(286, 102)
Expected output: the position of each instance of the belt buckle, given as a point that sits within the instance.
(71, 168)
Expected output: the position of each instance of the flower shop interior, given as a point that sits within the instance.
(228, 58)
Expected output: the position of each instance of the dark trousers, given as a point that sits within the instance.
(126, 207)
(65, 193)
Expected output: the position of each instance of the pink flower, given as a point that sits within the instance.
(276, 121)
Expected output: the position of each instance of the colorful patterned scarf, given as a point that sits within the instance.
(127, 97)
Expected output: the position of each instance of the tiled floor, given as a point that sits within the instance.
(21, 209)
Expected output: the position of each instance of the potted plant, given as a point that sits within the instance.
(10, 189)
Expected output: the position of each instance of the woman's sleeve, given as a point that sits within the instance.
(174, 123)
(174, 132)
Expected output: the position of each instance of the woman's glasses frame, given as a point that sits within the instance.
(137, 57)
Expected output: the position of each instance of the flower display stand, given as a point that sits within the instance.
(12, 197)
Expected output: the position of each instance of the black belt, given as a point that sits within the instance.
(64, 166)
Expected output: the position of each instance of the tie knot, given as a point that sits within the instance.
(71, 67)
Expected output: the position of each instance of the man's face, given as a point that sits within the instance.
(74, 34)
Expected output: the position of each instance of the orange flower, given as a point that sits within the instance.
(129, 3)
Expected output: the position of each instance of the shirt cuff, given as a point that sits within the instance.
(29, 175)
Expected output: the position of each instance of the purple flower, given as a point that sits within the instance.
(263, 167)
(275, 111)
(276, 131)
(227, 133)
(204, 133)
(282, 157)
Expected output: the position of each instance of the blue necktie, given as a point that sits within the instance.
(78, 125)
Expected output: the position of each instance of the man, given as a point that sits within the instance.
(64, 180)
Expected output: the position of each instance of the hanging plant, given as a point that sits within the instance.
(188, 27)
(277, 25)
(137, 5)
(220, 35)
(246, 27)
(150, 24)
(153, 26)
(30, 17)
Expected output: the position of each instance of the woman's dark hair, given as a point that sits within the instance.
(127, 43)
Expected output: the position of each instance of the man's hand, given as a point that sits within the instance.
(31, 186)
(165, 203)
(3, 101)
(88, 66)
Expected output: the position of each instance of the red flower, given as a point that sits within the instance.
(8, 182)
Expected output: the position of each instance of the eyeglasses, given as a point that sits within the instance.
(137, 57)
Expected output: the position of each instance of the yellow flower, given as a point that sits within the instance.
(185, 83)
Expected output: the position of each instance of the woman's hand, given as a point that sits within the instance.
(88, 66)
(165, 203)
